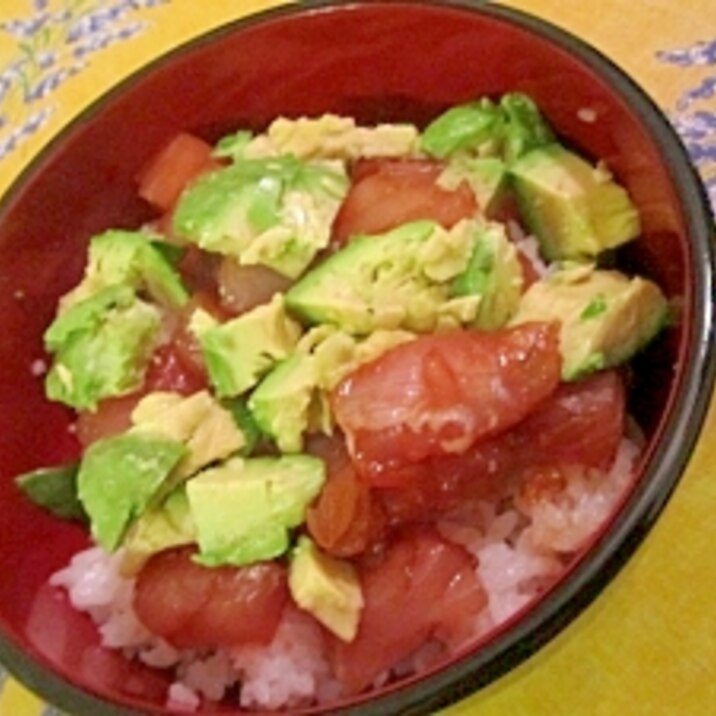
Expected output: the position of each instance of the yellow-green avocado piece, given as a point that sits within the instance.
(119, 477)
(293, 398)
(167, 525)
(482, 128)
(334, 137)
(281, 404)
(102, 346)
(130, 258)
(494, 274)
(605, 316)
(275, 211)
(243, 509)
(469, 127)
(104, 331)
(576, 210)
(199, 421)
(237, 353)
(399, 279)
(326, 587)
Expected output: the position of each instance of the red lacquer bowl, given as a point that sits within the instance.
(377, 62)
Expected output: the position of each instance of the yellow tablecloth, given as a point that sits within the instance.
(648, 645)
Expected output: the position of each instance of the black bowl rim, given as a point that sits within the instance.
(666, 465)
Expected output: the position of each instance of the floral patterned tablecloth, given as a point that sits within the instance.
(647, 646)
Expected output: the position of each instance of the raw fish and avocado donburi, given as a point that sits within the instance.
(345, 368)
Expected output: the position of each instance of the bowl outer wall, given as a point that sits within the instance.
(48, 215)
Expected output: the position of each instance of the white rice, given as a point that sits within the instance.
(590, 497)
(508, 574)
(291, 671)
(182, 698)
(519, 549)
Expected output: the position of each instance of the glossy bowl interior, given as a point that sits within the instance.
(378, 62)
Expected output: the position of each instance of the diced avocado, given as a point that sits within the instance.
(304, 230)
(86, 314)
(237, 353)
(332, 352)
(225, 209)
(334, 137)
(605, 316)
(495, 275)
(244, 509)
(486, 176)
(280, 404)
(336, 354)
(131, 258)
(118, 478)
(54, 489)
(293, 398)
(399, 279)
(245, 422)
(233, 146)
(198, 421)
(575, 210)
(511, 128)
(102, 346)
(276, 212)
(326, 587)
(167, 525)
(467, 127)
(525, 128)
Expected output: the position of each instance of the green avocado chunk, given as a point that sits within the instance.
(244, 508)
(276, 211)
(331, 137)
(509, 129)
(102, 346)
(233, 146)
(131, 258)
(118, 478)
(166, 525)
(494, 273)
(327, 587)
(55, 490)
(399, 279)
(198, 421)
(237, 353)
(575, 210)
(222, 211)
(280, 404)
(245, 422)
(605, 316)
(465, 127)
(525, 128)
(293, 398)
